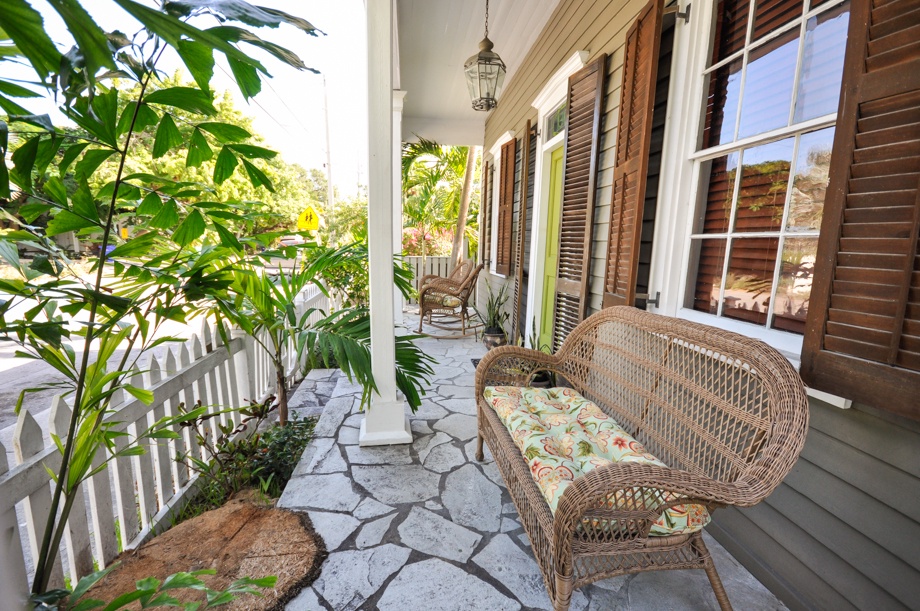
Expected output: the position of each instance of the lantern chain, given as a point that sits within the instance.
(487, 18)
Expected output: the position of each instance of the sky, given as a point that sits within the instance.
(290, 111)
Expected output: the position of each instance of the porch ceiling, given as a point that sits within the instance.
(435, 38)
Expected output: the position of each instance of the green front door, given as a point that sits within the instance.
(551, 259)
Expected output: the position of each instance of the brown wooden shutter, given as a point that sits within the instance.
(521, 237)
(505, 209)
(634, 136)
(485, 235)
(582, 144)
(862, 337)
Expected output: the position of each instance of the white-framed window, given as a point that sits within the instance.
(760, 165)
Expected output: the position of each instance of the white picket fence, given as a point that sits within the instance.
(134, 497)
(433, 265)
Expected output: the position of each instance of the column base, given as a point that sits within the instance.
(389, 425)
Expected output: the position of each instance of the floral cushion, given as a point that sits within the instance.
(563, 435)
(449, 301)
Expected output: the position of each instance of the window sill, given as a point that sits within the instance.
(788, 344)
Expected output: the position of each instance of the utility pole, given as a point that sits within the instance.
(330, 191)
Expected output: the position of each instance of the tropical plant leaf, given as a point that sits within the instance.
(247, 78)
(90, 162)
(226, 238)
(146, 117)
(167, 138)
(135, 247)
(253, 152)
(33, 210)
(17, 91)
(25, 27)
(226, 164)
(225, 132)
(186, 98)
(199, 59)
(257, 177)
(70, 156)
(12, 108)
(167, 217)
(235, 34)
(198, 150)
(23, 162)
(191, 228)
(54, 188)
(92, 41)
(150, 205)
(238, 10)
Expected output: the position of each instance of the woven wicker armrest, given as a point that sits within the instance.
(635, 495)
(513, 366)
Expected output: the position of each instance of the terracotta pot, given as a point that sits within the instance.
(494, 340)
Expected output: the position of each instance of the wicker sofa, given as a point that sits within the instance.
(727, 414)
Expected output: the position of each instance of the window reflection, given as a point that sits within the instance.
(812, 172)
(822, 64)
(793, 289)
(710, 259)
(722, 105)
(716, 210)
(764, 181)
(749, 282)
(768, 85)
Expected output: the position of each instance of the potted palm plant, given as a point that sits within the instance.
(494, 318)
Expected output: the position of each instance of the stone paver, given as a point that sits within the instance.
(426, 526)
(472, 499)
(431, 534)
(333, 527)
(351, 577)
(435, 584)
(372, 533)
(397, 483)
(332, 492)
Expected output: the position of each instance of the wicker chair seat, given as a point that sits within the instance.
(727, 414)
(562, 436)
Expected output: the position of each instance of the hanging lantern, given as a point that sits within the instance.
(485, 73)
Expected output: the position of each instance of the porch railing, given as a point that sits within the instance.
(432, 265)
(135, 497)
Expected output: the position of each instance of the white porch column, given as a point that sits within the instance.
(398, 99)
(386, 421)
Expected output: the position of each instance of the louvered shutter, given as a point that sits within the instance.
(634, 136)
(582, 140)
(505, 209)
(522, 235)
(486, 234)
(862, 338)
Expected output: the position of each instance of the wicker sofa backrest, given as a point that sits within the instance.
(707, 401)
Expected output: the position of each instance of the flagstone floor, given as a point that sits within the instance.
(426, 526)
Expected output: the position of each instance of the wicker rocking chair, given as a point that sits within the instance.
(446, 303)
(457, 275)
(727, 414)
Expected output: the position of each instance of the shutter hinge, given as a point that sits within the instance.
(648, 301)
(685, 15)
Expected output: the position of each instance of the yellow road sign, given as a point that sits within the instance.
(308, 220)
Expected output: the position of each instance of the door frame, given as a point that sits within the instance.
(554, 93)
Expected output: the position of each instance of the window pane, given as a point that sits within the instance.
(764, 179)
(710, 261)
(794, 288)
(812, 167)
(722, 104)
(731, 28)
(822, 63)
(768, 85)
(750, 279)
(770, 15)
(716, 208)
